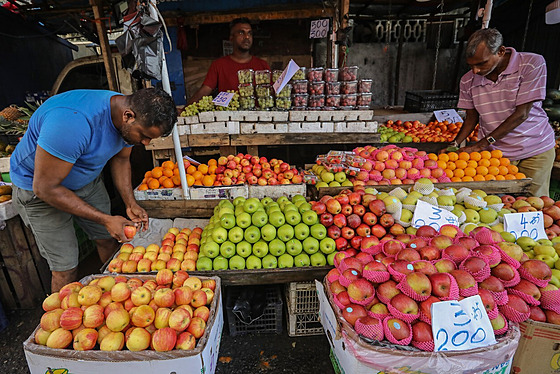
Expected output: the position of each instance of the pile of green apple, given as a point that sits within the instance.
(545, 250)
(254, 234)
(330, 178)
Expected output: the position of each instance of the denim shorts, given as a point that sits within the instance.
(54, 229)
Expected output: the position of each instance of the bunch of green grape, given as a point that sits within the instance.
(233, 104)
(205, 104)
(190, 110)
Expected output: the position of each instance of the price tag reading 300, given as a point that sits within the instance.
(427, 214)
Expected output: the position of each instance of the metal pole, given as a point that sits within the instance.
(487, 14)
(167, 88)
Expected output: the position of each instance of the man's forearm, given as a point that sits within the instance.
(202, 91)
(468, 126)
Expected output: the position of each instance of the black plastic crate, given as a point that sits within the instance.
(429, 100)
(269, 322)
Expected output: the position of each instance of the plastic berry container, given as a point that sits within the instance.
(246, 102)
(246, 89)
(364, 99)
(300, 100)
(348, 73)
(275, 75)
(286, 91)
(263, 90)
(330, 75)
(348, 100)
(316, 88)
(245, 76)
(265, 102)
(300, 74)
(346, 107)
(330, 108)
(316, 101)
(283, 103)
(350, 87)
(364, 85)
(299, 108)
(262, 77)
(332, 88)
(333, 100)
(315, 74)
(299, 87)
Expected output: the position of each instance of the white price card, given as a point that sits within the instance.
(461, 325)
(285, 77)
(529, 224)
(449, 115)
(319, 28)
(427, 214)
(223, 98)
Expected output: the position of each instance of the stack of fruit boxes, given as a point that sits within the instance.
(303, 309)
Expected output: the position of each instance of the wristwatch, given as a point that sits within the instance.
(490, 140)
(454, 144)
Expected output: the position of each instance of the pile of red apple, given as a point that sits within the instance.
(178, 251)
(385, 288)
(550, 209)
(167, 312)
(254, 170)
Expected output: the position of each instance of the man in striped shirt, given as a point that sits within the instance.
(503, 92)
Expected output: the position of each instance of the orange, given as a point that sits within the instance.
(143, 187)
(490, 177)
(168, 165)
(494, 162)
(451, 165)
(520, 176)
(190, 180)
(484, 162)
(153, 184)
(157, 172)
(191, 169)
(212, 162)
(198, 182)
(461, 164)
(207, 180)
(197, 175)
(472, 164)
(442, 164)
(504, 161)
(212, 169)
(449, 173)
(493, 170)
(443, 157)
(485, 154)
(460, 173)
(479, 178)
(503, 170)
(500, 177)
(470, 172)
(176, 180)
(512, 169)
(432, 156)
(148, 174)
(168, 172)
(161, 179)
(176, 171)
(475, 156)
(456, 179)
(496, 153)
(467, 179)
(453, 156)
(167, 183)
(482, 170)
(203, 168)
(464, 156)
(510, 177)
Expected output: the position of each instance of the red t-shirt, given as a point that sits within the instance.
(223, 72)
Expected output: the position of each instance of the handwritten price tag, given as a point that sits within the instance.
(430, 215)
(529, 224)
(319, 28)
(223, 98)
(461, 325)
(285, 77)
(449, 115)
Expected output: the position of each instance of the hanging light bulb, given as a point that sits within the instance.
(552, 15)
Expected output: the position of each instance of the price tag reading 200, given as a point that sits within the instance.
(319, 28)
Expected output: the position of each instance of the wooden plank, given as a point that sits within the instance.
(179, 208)
(227, 150)
(41, 264)
(7, 296)
(98, 15)
(166, 143)
(266, 276)
(253, 150)
(304, 138)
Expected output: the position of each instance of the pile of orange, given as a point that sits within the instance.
(477, 166)
(433, 131)
(167, 175)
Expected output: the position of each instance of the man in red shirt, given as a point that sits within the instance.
(223, 71)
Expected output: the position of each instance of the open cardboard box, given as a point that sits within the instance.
(354, 356)
(539, 348)
(202, 359)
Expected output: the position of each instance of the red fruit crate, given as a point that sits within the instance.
(269, 322)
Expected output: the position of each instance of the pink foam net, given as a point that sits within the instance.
(386, 254)
(376, 276)
(373, 250)
(338, 303)
(526, 275)
(512, 314)
(493, 259)
(363, 302)
(425, 346)
(424, 318)
(370, 331)
(342, 266)
(514, 281)
(444, 179)
(366, 259)
(527, 298)
(396, 275)
(378, 315)
(390, 336)
(551, 300)
(408, 291)
(453, 289)
(345, 281)
(397, 313)
(471, 291)
(500, 297)
(480, 275)
(503, 330)
(493, 313)
(483, 236)
(509, 260)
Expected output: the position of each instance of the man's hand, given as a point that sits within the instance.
(138, 215)
(115, 225)
(477, 147)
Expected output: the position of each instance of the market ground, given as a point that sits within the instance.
(242, 354)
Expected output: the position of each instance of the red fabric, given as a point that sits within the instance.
(223, 72)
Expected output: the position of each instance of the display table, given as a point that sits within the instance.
(266, 276)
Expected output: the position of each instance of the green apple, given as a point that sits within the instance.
(227, 221)
(340, 177)
(238, 210)
(225, 203)
(302, 260)
(259, 218)
(347, 183)
(545, 242)
(304, 208)
(292, 217)
(285, 232)
(459, 207)
(235, 235)
(285, 261)
(289, 206)
(219, 235)
(301, 231)
(309, 217)
(252, 234)
(445, 200)
(253, 262)
(268, 232)
(204, 263)
(526, 243)
(327, 177)
(227, 249)
(411, 230)
(544, 250)
(487, 215)
(547, 259)
(260, 248)
(318, 231)
(297, 198)
(237, 263)
(276, 247)
(493, 200)
(273, 207)
(224, 211)
(239, 200)
(269, 262)
(472, 216)
(334, 184)
(211, 249)
(318, 259)
(244, 249)
(406, 215)
(294, 247)
(266, 200)
(330, 258)
(276, 219)
(508, 236)
(282, 200)
(503, 212)
(310, 245)
(327, 245)
(220, 263)
(243, 220)
(251, 205)
(321, 184)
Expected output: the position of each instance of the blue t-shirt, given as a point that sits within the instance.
(74, 126)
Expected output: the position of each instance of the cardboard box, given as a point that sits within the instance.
(539, 348)
(354, 356)
(202, 359)
(274, 192)
(160, 194)
(221, 192)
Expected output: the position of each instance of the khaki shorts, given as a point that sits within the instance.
(538, 167)
(54, 229)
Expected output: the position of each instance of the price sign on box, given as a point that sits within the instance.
(529, 224)
(449, 115)
(285, 77)
(461, 325)
(223, 98)
(319, 28)
(427, 214)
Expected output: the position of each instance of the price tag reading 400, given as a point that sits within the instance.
(529, 224)
(319, 28)
(427, 214)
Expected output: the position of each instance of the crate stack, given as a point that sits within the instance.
(303, 309)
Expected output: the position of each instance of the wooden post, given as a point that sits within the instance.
(104, 44)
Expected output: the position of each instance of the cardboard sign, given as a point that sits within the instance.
(223, 98)
(319, 28)
(427, 214)
(461, 325)
(449, 115)
(529, 224)
(285, 77)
